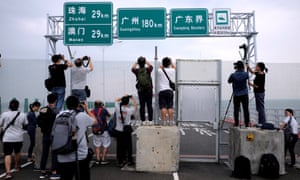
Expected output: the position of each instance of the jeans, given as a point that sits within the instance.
(80, 94)
(260, 107)
(291, 148)
(31, 133)
(45, 152)
(145, 97)
(69, 170)
(237, 100)
(124, 147)
(60, 92)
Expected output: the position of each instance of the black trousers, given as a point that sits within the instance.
(145, 98)
(69, 170)
(291, 148)
(124, 147)
(237, 100)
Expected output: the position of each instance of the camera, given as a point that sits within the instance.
(85, 61)
(243, 46)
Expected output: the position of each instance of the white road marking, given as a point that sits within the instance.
(182, 131)
(14, 170)
(196, 129)
(175, 176)
(226, 131)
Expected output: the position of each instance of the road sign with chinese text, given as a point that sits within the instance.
(221, 18)
(141, 23)
(88, 23)
(189, 22)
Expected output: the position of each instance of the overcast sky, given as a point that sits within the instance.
(23, 26)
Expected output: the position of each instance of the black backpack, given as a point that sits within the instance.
(46, 119)
(144, 81)
(269, 167)
(242, 168)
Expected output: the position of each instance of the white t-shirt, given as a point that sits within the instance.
(294, 124)
(15, 132)
(127, 113)
(163, 82)
(83, 121)
(79, 79)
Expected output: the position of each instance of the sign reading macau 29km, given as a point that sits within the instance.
(141, 23)
(88, 23)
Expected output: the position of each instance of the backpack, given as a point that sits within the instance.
(46, 119)
(112, 126)
(242, 168)
(101, 126)
(64, 140)
(144, 81)
(269, 166)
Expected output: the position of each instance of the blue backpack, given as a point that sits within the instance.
(112, 126)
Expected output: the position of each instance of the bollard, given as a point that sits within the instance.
(26, 104)
(38, 148)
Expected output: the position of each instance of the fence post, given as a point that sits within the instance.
(26, 105)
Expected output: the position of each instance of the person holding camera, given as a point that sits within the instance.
(166, 95)
(57, 75)
(259, 89)
(124, 114)
(240, 92)
(67, 163)
(144, 87)
(79, 77)
(13, 123)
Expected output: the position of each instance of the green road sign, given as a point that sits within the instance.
(221, 18)
(88, 23)
(189, 22)
(141, 23)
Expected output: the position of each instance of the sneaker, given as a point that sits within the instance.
(98, 162)
(128, 168)
(8, 176)
(144, 123)
(43, 175)
(151, 123)
(54, 176)
(104, 162)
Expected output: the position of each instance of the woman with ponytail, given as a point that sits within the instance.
(124, 112)
(259, 89)
(32, 124)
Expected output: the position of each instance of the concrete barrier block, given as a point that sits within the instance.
(253, 143)
(157, 149)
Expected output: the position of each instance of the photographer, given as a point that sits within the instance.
(240, 92)
(79, 77)
(259, 89)
(124, 141)
(57, 75)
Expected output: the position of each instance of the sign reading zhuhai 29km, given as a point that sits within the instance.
(189, 22)
(88, 23)
(141, 23)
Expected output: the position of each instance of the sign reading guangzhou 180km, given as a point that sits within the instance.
(189, 22)
(88, 23)
(141, 23)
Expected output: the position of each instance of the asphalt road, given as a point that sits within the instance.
(197, 141)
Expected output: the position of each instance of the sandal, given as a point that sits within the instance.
(8, 176)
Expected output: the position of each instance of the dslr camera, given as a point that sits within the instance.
(82, 61)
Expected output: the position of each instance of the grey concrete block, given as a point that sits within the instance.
(157, 149)
(263, 142)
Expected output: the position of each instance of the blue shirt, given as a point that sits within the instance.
(239, 83)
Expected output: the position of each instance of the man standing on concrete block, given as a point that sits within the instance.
(144, 87)
(166, 76)
(240, 92)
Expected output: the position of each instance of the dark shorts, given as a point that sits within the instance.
(166, 99)
(10, 147)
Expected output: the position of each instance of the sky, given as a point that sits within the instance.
(23, 26)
